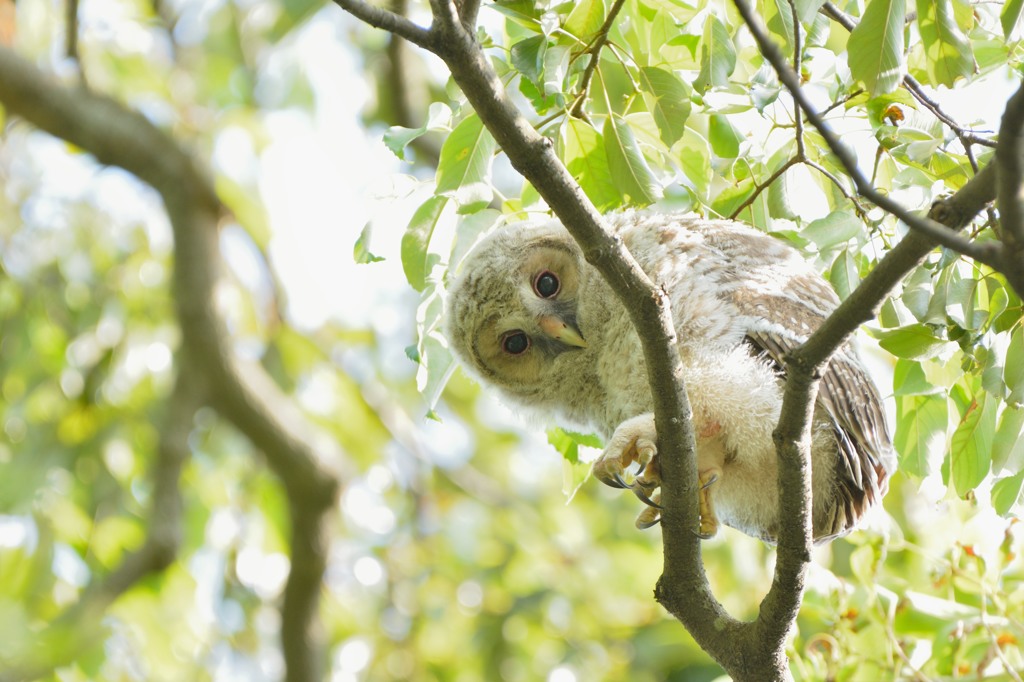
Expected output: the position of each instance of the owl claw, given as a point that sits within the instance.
(616, 481)
(651, 515)
(708, 520)
(641, 494)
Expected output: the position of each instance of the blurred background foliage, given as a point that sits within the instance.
(455, 555)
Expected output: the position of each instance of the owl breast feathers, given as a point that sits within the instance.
(527, 315)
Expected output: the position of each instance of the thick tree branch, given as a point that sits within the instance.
(388, 21)
(1010, 157)
(468, 11)
(241, 392)
(683, 587)
(806, 364)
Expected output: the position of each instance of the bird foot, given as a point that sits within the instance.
(708, 520)
(634, 442)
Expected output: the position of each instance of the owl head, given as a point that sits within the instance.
(512, 314)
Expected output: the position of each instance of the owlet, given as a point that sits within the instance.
(527, 315)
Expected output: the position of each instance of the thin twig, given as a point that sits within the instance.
(966, 137)
(763, 186)
(934, 231)
(797, 58)
(841, 101)
(857, 206)
(594, 50)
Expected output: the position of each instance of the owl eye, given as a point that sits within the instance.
(515, 342)
(546, 284)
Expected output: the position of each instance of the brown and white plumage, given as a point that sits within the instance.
(740, 300)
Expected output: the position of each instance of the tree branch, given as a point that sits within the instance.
(933, 231)
(1010, 157)
(594, 50)
(75, 629)
(388, 21)
(468, 11)
(683, 587)
(806, 364)
(242, 392)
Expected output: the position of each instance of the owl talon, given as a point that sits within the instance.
(708, 520)
(616, 481)
(642, 496)
(644, 523)
(650, 516)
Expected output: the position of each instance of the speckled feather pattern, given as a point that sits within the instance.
(740, 300)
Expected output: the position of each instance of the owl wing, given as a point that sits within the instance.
(780, 321)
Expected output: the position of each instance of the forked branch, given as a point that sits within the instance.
(208, 368)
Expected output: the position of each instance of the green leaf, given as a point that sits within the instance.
(1008, 445)
(920, 437)
(668, 99)
(361, 251)
(585, 19)
(779, 205)
(583, 152)
(961, 302)
(909, 379)
(1010, 19)
(836, 228)
(764, 88)
(779, 19)
(730, 198)
(717, 56)
(397, 138)
(436, 361)
(844, 275)
(876, 46)
(417, 261)
(1013, 370)
(556, 65)
(1006, 492)
(695, 157)
(528, 57)
(464, 169)
(413, 353)
(946, 47)
(629, 169)
(915, 341)
(807, 10)
(971, 445)
(567, 442)
(917, 295)
(723, 136)
(291, 14)
(575, 472)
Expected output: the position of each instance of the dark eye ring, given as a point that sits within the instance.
(546, 284)
(515, 342)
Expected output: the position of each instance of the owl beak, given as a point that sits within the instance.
(560, 330)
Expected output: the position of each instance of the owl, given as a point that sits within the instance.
(528, 316)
